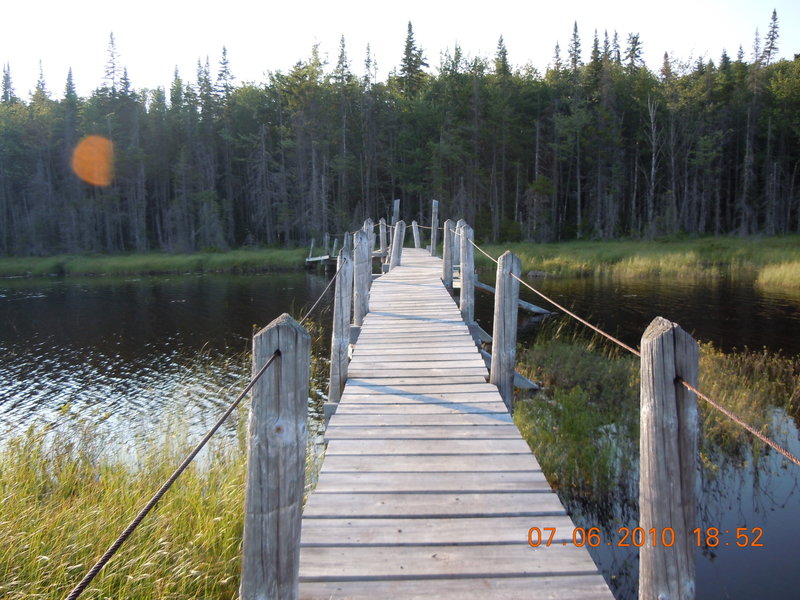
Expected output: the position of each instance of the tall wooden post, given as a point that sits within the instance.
(457, 244)
(396, 212)
(668, 461)
(415, 232)
(382, 230)
(326, 241)
(467, 297)
(447, 254)
(397, 244)
(340, 336)
(434, 226)
(347, 245)
(369, 227)
(276, 459)
(504, 332)
(362, 274)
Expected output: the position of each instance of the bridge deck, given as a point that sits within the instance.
(427, 488)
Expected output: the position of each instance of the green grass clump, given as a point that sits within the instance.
(584, 426)
(783, 276)
(154, 263)
(774, 261)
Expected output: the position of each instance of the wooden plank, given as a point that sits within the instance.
(498, 431)
(476, 463)
(437, 447)
(468, 560)
(425, 482)
(397, 530)
(421, 408)
(432, 504)
(554, 587)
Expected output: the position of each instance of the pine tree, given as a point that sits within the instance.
(501, 66)
(771, 42)
(411, 73)
(112, 65)
(225, 78)
(574, 49)
(8, 95)
(633, 53)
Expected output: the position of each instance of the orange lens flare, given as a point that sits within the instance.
(93, 160)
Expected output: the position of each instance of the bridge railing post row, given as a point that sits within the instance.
(397, 244)
(467, 258)
(504, 331)
(276, 458)
(362, 275)
(668, 461)
(434, 226)
(340, 336)
(415, 232)
(447, 254)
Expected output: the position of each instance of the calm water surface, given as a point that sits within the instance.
(126, 351)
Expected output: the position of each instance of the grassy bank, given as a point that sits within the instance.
(584, 427)
(773, 262)
(154, 263)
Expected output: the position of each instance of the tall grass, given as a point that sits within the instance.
(155, 262)
(584, 426)
(774, 261)
(66, 493)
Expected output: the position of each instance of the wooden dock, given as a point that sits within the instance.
(427, 489)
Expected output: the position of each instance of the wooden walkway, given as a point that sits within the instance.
(427, 489)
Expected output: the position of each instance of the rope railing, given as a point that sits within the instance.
(749, 428)
(128, 531)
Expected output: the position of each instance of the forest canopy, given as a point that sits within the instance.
(602, 148)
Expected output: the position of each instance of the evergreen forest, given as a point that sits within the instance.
(594, 149)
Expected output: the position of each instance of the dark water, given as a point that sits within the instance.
(126, 351)
(123, 350)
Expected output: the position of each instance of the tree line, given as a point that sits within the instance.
(600, 149)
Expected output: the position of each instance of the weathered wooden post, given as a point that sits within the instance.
(326, 241)
(335, 246)
(504, 332)
(668, 462)
(397, 244)
(276, 459)
(362, 275)
(415, 232)
(457, 242)
(311, 248)
(382, 234)
(447, 254)
(396, 212)
(467, 298)
(369, 227)
(434, 226)
(340, 336)
(347, 245)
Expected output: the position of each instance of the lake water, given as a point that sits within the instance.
(126, 351)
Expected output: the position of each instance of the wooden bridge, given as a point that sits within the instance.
(427, 488)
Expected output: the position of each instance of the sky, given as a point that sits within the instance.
(261, 36)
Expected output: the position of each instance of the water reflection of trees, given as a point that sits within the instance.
(738, 486)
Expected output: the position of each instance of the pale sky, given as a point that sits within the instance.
(153, 37)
